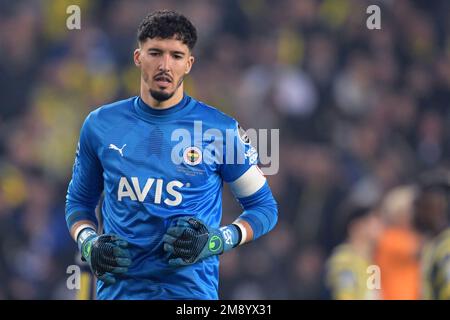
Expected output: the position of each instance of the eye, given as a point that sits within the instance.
(178, 57)
(154, 53)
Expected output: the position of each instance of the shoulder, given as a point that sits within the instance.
(211, 113)
(342, 255)
(109, 113)
(442, 245)
(340, 268)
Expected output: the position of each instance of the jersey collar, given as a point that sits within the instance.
(174, 112)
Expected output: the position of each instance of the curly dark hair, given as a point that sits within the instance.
(166, 24)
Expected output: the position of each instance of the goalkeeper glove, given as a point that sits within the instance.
(107, 254)
(190, 240)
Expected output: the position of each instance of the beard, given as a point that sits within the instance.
(160, 95)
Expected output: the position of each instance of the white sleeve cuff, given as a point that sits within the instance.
(243, 231)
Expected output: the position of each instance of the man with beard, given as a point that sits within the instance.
(161, 159)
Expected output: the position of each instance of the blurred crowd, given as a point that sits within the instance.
(360, 112)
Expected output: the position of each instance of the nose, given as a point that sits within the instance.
(164, 63)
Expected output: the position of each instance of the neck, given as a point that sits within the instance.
(362, 246)
(149, 100)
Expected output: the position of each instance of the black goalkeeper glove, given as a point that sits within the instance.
(106, 254)
(191, 240)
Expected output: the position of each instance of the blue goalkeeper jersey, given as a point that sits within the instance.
(154, 166)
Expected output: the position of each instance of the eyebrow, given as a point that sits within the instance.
(173, 52)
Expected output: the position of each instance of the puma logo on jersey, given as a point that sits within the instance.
(136, 193)
(114, 147)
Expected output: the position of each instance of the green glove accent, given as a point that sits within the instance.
(190, 241)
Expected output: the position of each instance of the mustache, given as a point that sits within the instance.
(163, 76)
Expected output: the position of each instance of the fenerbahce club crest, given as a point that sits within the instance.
(192, 156)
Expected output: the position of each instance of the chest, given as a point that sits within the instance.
(155, 156)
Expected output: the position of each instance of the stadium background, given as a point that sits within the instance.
(360, 111)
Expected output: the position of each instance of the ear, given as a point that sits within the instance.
(137, 57)
(189, 64)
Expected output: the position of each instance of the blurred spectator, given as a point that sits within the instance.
(398, 248)
(347, 269)
(432, 218)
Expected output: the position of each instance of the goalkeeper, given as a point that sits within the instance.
(162, 207)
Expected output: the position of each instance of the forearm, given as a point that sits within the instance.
(246, 230)
(78, 226)
(190, 240)
(260, 215)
